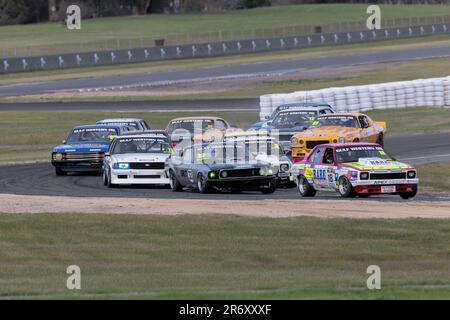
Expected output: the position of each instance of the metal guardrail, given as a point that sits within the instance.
(115, 44)
(202, 50)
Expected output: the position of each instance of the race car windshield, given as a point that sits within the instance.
(294, 119)
(239, 152)
(133, 125)
(191, 125)
(350, 122)
(141, 145)
(353, 154)
(92, 134)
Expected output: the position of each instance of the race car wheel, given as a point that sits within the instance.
(408, 195)
(174, 183)
(109, 184)
(59, 172)
(356, 140)
(345, 188)
(305, 188)
(380, 140)
(202, 184)
(105, 178)
(270, 189)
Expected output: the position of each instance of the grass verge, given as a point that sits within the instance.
(124, 256)
(33, 133)
(435, 176)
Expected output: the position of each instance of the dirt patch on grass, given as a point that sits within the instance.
(360, 209)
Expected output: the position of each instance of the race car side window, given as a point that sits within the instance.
(221, 125)
(328, 157)
(363, 122)
(317, 156)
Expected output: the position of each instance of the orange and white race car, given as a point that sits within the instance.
(337, 128)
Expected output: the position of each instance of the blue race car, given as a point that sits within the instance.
(322, 108)
(85, 148)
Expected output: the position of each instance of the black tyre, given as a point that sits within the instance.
(59, 172)
(380, 140)
(408, 195)
(345, 188)
(174, 183)
(202, 184)
(271, 189)
(109, 184)
(305, 188)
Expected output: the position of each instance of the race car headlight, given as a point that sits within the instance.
(58, 156)
(121, 166)
(284, 167)
(364, 176)
(341, 140)
(269, 171)
(294, 140)
(213, 175)
(224, 174)
(411, 174)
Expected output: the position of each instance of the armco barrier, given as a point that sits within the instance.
(433, 92)
(88, 59)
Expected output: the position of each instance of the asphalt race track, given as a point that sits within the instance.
(243, 70)
(40, 179)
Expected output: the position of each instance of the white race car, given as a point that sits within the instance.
(137, 159)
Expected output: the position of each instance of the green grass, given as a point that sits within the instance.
(222, 257)
(56, 35)
(34, 133)
(435, 176)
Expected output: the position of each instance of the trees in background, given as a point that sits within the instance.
(30, 11)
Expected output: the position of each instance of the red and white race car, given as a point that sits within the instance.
(361, 169)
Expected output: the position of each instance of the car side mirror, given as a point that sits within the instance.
(64, 141)
(107, 154)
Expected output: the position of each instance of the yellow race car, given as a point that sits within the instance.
(337, 128)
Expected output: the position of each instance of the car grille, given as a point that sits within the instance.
(86, 156)
(388, 176)
(312, 144)
(147, 165)
(240, 173)
(153, 176)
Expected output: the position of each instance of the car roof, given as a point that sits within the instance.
(348, 145)
(305, 104)
(94, 126)
(309, 108)
(196, 118)
(119, 120)
(340, 114)
(143, 135)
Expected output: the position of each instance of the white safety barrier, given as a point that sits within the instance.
(433, 92)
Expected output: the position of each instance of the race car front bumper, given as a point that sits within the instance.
(254, 183)
(385, 186)
(135, 176)
(79, 166)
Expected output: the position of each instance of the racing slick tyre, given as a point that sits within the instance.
(109, 184)
(271, 189)
(408, 195)
(174, 183)
(202, 184)
(305, 188)
(59, 172)
(345, 188)
(380, 140)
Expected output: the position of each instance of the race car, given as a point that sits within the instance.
(85, 148)
(266, 148)
(137, 159)
(337, 128)
(354, 169)
(291, 121)
(185, 130)
(219, 167)
(134, 124)
(319, 107)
